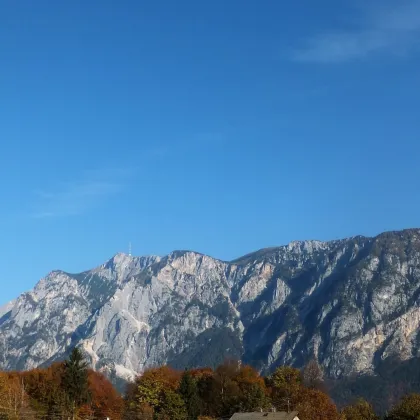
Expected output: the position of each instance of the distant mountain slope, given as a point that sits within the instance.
(350, 303)
(6, 308)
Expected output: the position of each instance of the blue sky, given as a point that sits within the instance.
(218, 126)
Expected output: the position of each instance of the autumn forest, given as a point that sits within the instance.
(70, 390)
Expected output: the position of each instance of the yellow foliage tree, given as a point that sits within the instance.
(360, 410)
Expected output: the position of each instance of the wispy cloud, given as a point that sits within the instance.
(391, 29)
(79, 196)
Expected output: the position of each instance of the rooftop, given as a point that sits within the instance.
(276, 415)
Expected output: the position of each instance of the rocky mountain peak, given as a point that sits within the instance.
(351, 303)
(306, 246)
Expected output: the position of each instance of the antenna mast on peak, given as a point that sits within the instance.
(129, 249)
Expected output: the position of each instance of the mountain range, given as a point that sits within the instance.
(351, 304)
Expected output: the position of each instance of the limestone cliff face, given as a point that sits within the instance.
(351, 303)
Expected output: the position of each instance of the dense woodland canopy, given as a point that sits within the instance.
(70, 390)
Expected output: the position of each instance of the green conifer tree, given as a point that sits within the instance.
(189, 393)
(75, 380)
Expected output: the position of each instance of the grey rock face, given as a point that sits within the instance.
(350, 303)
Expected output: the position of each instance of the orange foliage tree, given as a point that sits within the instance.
(105, 400)
(315, 405)
(44, 387)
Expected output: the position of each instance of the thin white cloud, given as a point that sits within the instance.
(77, 197)
(394, 29)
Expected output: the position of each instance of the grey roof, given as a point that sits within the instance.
(277, 415)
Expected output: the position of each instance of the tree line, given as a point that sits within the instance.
(67, 390)
(70, 390)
